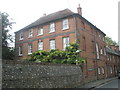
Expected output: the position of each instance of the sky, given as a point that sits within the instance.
(101, 13)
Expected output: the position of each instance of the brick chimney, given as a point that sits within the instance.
(79, 10)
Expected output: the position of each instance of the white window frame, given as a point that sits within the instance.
(21, 35)
(97, 51)
(30, 33)
(104, 51)
(40, 31)
(52, 44)
(101, 51)
(29, 49)
(52, 27)
(103, 71)
(99, 70)
(65, 24)
(40, 45)
(66, 42)
(20, 50)
(111, 70)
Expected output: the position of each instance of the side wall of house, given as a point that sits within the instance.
(89, 36)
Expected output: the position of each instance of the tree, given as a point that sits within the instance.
(109, 41)
(7, 52)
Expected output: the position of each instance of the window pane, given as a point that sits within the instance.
(97, 51)
(103, 70)
(104, 51)
(40, 46)
(21, 36)
(65, 24)
(52, 44)
(98, 70)
(52, 27)
(29, 49)
(30, 33)
(20, 50)
(65, 42)
(40, 31)
(101, 52)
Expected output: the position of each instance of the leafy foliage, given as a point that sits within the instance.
(7, 52)
(109, 41)
(58, 56)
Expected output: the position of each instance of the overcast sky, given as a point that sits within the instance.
(102, 13)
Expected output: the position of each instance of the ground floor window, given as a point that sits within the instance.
(20, 51)
(29, 49)
(103, 70)
(99, 70)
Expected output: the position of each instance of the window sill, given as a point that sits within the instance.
(40, 35)
(20, 39)
(20, 55)
(65, 28)
(30, 36)
(52, 32)
(29, 53)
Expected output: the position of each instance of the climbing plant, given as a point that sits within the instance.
(70, 55)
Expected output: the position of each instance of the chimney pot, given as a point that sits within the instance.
(79, 10)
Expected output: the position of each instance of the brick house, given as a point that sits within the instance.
(57, 30)
(113, 60)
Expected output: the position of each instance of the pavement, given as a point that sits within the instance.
(97, 83)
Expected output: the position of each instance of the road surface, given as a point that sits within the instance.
(112, 84)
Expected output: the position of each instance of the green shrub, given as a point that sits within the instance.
(58, 56)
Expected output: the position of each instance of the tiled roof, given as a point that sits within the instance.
(56, 16)
(109, 50)
(50, 17)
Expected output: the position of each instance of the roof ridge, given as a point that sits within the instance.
(49, 17)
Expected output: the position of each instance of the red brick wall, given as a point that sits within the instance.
(58, 39)
(88, 37)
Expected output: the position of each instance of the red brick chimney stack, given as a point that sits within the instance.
(79, 10)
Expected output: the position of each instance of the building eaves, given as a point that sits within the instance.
(49, 18)
(89, 23)
(56, 16)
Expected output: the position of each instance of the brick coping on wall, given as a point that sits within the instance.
(23, 62)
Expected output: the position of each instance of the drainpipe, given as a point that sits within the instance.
(75, 27)
(96, 66)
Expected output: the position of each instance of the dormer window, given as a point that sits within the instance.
(21, 36)
(30, 33)
(65, 24)
(52, 27)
